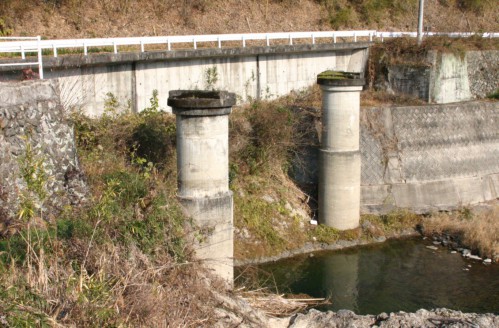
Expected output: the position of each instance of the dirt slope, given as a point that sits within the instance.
(112, 18)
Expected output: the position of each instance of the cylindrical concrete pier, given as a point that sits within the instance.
(339, 159)
(203, 172)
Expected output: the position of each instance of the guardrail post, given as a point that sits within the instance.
(40, 58)
(54, 50)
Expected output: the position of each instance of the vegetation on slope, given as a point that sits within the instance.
(124, 259)
(93, 18)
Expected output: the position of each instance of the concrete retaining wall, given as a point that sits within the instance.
(435, 157)
(251, 73)
(446, 77)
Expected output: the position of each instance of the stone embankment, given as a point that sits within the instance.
(35, 134)
(420, 318)
(235, 312)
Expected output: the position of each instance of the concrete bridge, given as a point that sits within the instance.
(253, 66)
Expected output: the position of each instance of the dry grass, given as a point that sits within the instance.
(278, 305)
(113, 18)
(122, 260)
(477, 231)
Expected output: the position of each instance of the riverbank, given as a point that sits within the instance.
(471, 231)
(421, 318)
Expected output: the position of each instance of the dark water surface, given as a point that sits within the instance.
(398, 275)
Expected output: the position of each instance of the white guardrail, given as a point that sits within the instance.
(23, 45)
(35, 44)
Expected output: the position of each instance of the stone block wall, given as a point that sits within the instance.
(31, 113)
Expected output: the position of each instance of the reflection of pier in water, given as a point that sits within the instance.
(399, 275)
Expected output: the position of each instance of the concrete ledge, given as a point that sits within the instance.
(67, 61)
(427, 196)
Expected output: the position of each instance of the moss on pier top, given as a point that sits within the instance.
(338, 75)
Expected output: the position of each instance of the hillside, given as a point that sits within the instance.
(92, 18)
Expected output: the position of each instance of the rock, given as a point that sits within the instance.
(313, 222)
(421, 318)
(466, 252)
(432, 247)
(474, 257)
(268, 199)
(487, 261)
(437, 242)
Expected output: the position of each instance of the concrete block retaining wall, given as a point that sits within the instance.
(434, 157)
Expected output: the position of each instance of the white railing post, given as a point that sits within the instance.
(85, 50)
(268, 41)
(195, 44)
(313, 38)
(219, 43)
(40, 57)
(23, 55)
(244, 42)
(115, 48)
(290, 40)
(141, 45)
(54, 49)
(169, 44)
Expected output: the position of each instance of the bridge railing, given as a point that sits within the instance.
(28, 45)
(23, 45)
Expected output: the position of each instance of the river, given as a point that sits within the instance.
(398, 275)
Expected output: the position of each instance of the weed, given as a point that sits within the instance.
(32, 170)
(4, 29)
(325, 234)
(211, 77)
(494, 95)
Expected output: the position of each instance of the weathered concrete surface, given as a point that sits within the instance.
(435, 157)
(251, 73)
(31, 113)
(339, 156)
(203, 173)
(446, 77)
(425, 158)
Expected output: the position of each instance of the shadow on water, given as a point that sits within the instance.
(399, 275)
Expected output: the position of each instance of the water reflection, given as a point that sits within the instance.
(340, 279)
(395, 276)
